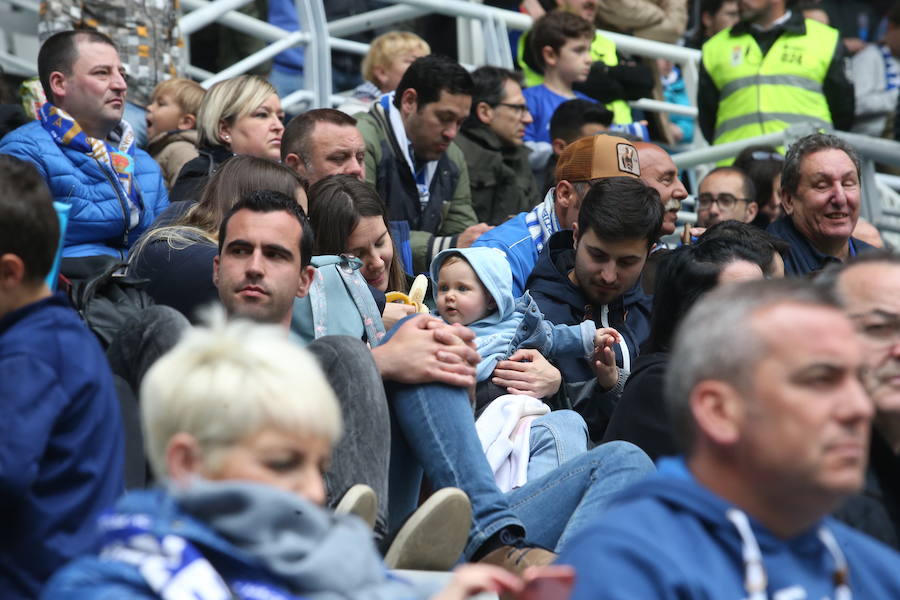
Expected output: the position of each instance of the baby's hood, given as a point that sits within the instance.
(492, 268)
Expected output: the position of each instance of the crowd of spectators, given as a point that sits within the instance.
(218, 381)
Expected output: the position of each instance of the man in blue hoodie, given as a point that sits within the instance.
(775, 430)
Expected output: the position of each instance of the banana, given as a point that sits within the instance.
(418, 289)
(416, 295)
(398, 297)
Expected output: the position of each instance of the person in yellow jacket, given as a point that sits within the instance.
(772, 70)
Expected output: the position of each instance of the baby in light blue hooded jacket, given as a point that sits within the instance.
(473, 287)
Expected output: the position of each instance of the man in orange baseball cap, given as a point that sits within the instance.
(582, 163)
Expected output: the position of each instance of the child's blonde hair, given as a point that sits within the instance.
(386, 47)
(186, 93)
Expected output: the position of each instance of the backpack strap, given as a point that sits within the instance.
(347, 268)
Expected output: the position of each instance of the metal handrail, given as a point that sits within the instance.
(495, 22)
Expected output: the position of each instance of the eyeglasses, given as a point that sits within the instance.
(725, 201)
(518, 108)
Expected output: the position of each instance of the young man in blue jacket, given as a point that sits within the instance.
(84, 150)
(768, 406)
(61, 441)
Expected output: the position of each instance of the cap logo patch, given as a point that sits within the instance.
(628, 159)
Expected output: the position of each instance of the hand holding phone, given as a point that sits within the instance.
(553, 582)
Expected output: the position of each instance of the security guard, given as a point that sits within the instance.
(772, 70)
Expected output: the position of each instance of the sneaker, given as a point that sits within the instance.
(433, 537)
(517, 555)
(359, 500)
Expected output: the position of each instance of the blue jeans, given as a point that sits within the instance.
(433, 431)
(555, 438)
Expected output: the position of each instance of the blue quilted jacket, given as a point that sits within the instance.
(97, 219)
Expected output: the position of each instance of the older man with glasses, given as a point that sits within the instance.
(726, 193)
(492, 141)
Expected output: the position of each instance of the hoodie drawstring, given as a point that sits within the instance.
(626, 357)
(754, 573)
(841, 569)
(755, 580)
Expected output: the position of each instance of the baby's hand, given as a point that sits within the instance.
(603, 360)
(606, 337)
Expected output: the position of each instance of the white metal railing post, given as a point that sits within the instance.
(314, 22)
(200, 18)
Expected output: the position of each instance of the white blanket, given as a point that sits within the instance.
(504, 429)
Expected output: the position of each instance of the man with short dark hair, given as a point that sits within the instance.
(83, 149)
(412, 160)
(820, 194)
(253, 267)
(573, 120)
(593, 273)
(148, 32)
(767, 404)
(726, 193)
(492, 142)
(323, 142)
(61, 443)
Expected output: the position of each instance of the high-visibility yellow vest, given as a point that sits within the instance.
(765, 94)
(603, 49)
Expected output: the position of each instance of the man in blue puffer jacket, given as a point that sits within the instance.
(85, 151)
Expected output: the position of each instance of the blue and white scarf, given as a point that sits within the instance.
(118, 160)
(891, 72)
(542, 221)
(172, 566)
(424, 175)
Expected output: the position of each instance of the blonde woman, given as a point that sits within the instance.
(239, 426)
(242, 116)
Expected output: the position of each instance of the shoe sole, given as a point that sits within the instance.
(434, 536)
(359, 500)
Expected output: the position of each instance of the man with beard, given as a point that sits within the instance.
(593, 272)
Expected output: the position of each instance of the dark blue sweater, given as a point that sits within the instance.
(61, 446)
